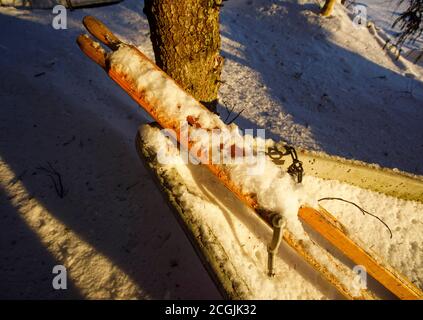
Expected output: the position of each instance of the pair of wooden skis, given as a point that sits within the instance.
(320, 220)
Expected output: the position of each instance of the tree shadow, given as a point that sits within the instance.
(26, 266)
(350, 106)
(50, 114)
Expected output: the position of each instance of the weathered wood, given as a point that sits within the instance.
(92, 50)
(333, 231)
(101, 32)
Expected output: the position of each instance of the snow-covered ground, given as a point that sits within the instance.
(317, 83)
(384, 13)
(321, 83)
(244, 236)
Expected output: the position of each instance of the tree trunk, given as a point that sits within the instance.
(328, 8)
(186, 42)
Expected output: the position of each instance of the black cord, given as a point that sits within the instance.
(295, 170)
(360, 208)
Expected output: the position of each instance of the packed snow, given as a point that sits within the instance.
(316, 83)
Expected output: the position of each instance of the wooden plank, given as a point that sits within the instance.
(333, 231)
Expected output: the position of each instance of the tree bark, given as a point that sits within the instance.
(328, 8)
(186, 43)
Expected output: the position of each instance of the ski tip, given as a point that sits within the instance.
(92, 49)
(101, 32)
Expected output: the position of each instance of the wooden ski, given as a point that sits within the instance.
(333, 231)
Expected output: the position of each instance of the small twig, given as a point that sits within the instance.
(361, 209)
(229, 113)
(56, 179)
(239, 113)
